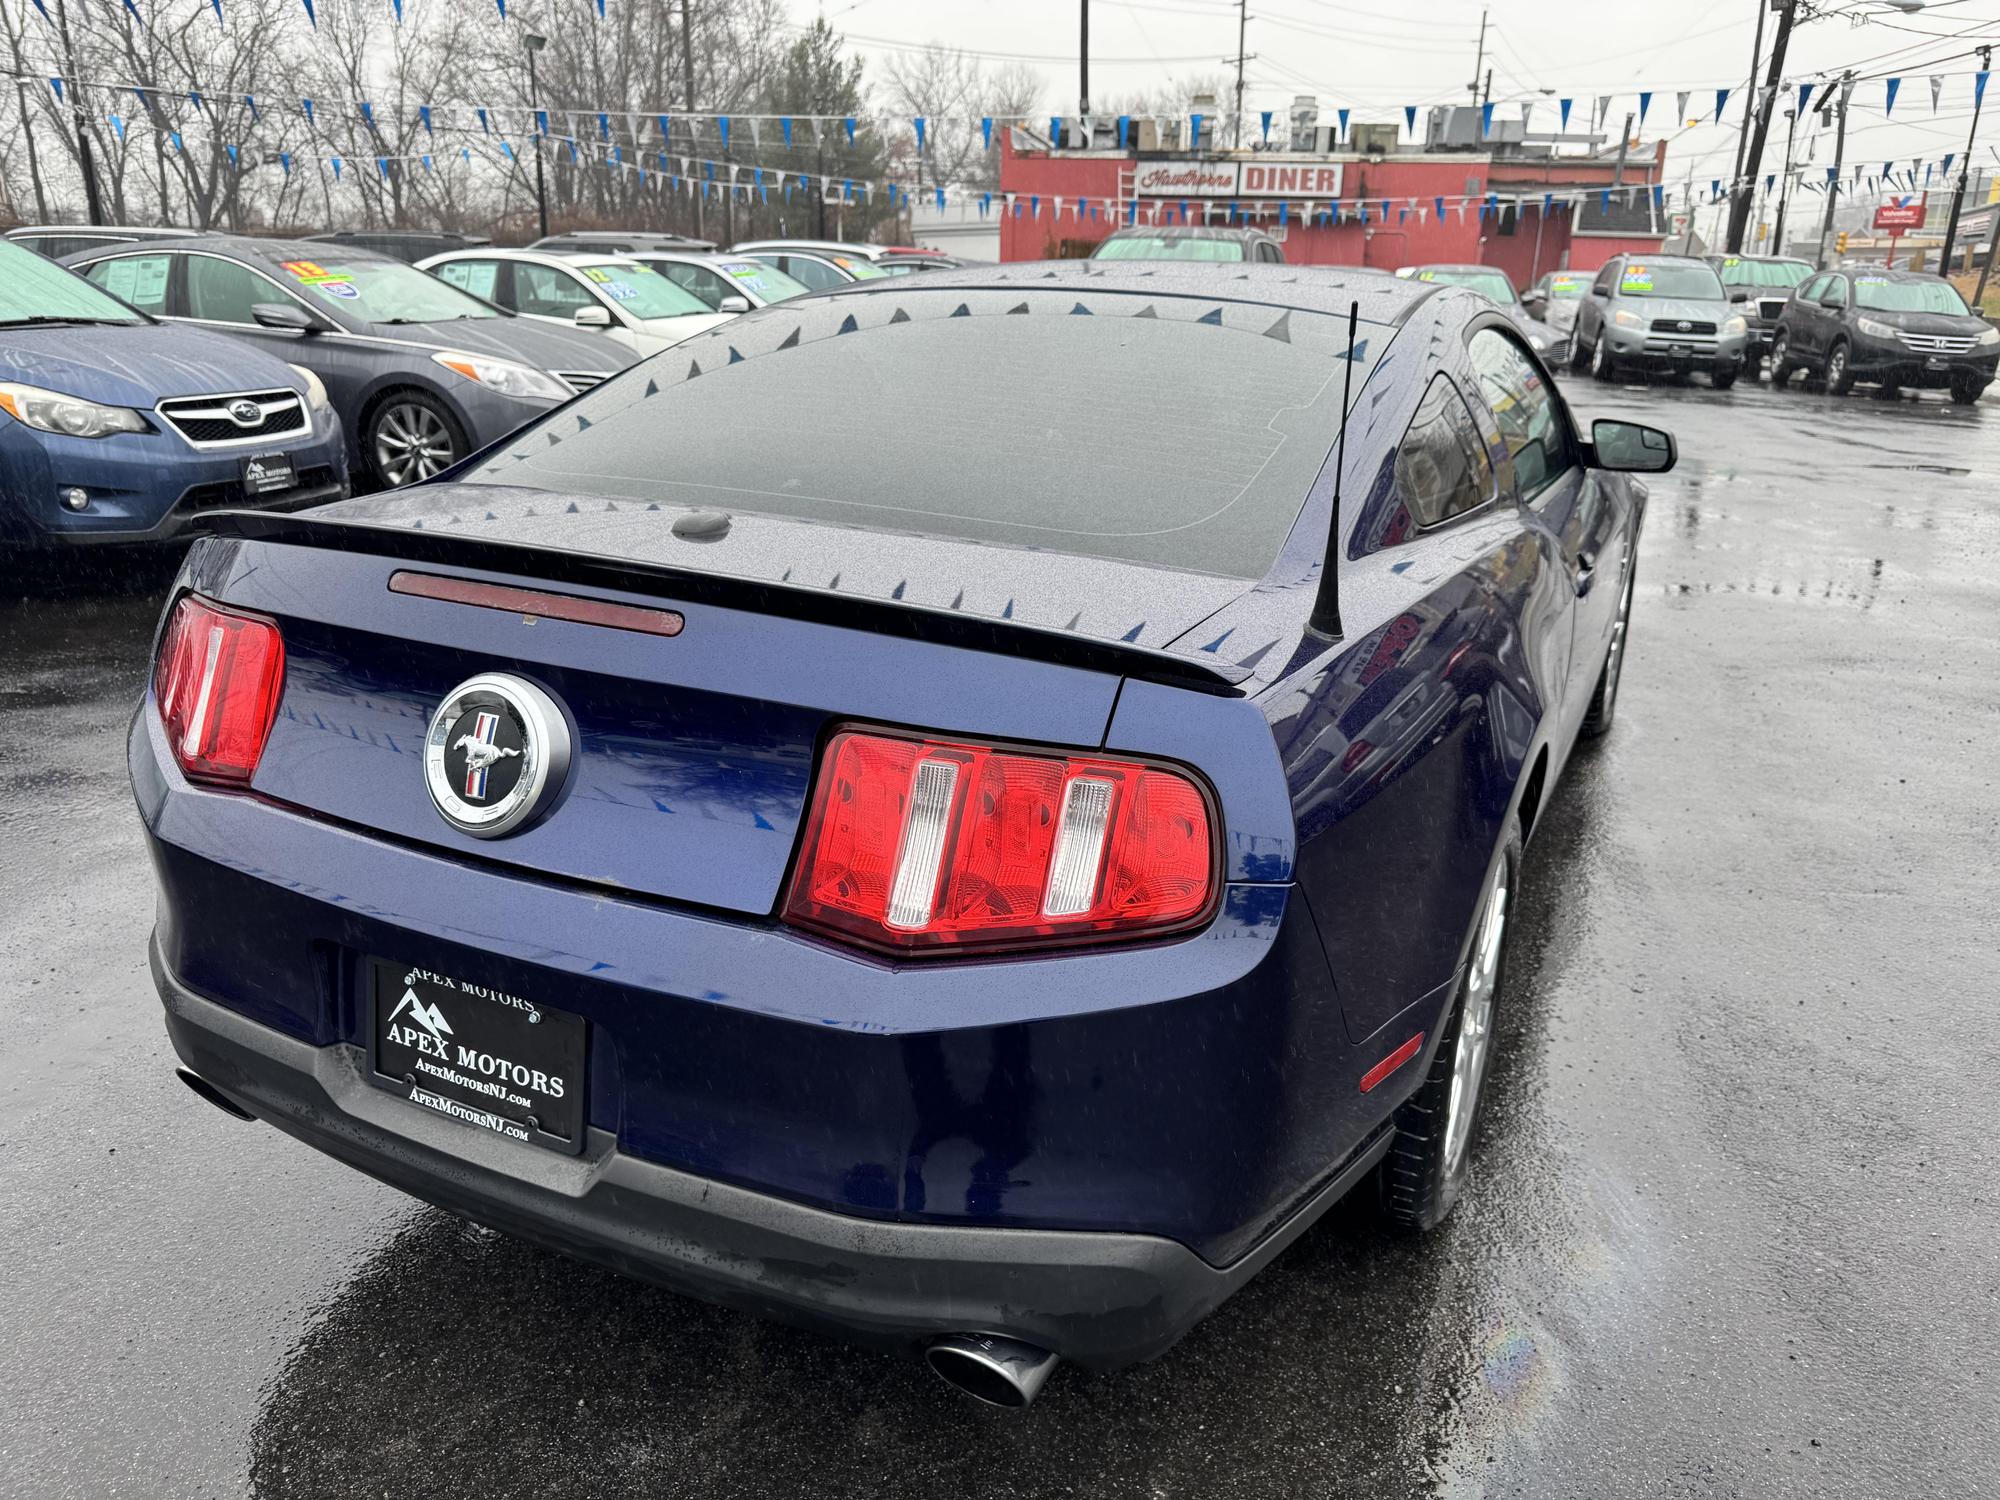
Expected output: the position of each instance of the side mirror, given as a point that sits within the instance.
(592, 315)
(1535, 302)
(1739, 294)
(287, 317)
(733, 305)
(1631, 447)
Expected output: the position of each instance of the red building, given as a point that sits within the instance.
(1512, 205)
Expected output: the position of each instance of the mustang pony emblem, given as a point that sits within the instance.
(480, 751)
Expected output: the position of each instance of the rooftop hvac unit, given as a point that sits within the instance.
(1305, 123)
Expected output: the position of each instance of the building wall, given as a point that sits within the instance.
(1035, 230)
(1590, 251)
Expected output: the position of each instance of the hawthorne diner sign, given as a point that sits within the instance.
(1237, 179)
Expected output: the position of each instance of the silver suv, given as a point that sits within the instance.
(1666, 312)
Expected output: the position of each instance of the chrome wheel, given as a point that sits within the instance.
(1475, 1026)
(1836, 370)
(411, 443)
(1615, 658)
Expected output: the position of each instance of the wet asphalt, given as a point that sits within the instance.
(1735, 1228)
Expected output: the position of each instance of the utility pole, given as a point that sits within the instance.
(1624, 140)
(1756, 53)
(1479, 61)
(1992, 253)
(1486, 94)
(1839, 162)
(93, 204)
(687, 74)
(534, 44)
(1739, 197)
(1964, 167)
(1784, 183)
(1242, 57)
(1083, 68)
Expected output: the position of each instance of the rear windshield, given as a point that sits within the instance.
(1108, 425)
(1778, 273)
(1884, 295)
(1645, 278)
(31, 287)
(1168, 247)
(1493, 284)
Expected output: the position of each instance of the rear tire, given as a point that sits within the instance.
(1427, 1165)
(1839, 371)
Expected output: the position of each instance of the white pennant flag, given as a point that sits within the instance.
(1937, 87)
(1526, 109)
(1058, 202)
(1681, 107)
(756, 137)
(1603, 109)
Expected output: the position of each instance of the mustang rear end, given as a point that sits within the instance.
(876, 894)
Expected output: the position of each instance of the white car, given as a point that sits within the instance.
(726, 283)
(631, 302)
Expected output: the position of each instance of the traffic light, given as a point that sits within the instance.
(1840, 242)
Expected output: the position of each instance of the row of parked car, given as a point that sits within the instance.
(153, 375)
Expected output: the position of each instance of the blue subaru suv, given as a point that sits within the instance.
(117, 428)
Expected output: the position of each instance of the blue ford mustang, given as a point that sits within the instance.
(885, 817)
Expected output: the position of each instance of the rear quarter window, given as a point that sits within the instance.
(1442, 469)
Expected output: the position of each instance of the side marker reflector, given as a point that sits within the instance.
(1393, 1061)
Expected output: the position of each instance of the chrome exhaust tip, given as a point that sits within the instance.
(998, 1371)
(212, 1094)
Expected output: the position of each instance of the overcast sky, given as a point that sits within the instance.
(1373, 60)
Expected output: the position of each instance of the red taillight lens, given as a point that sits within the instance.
(217, 682)
(916, 843)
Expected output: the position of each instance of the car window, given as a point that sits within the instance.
(548, 291)
(1737, 271)
(378, 290)
(699, 280)
(1168, 247)
(1531, 423)
(767, 282)
(1441, 466)
(479, 277)
(224, 292)
(138, 279)
(1834, 293)
(1606, 279)
(1811, 290)
(641, 290)
(817, 275)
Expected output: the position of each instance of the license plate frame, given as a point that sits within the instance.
(1937, 362)
(269, 474)
(476, 1054)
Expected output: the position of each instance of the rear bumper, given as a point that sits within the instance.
(1100, 1299)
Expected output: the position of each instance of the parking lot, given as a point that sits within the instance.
(1733, 1229)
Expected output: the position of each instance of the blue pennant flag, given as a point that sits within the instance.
(251, 100)
(1034, 205)
(1055, 131)
(1282, 213)
(1266, 118)
(850, 130)
(1439, 201)
(118, 126)
(427, 161)
(662, 122)
(985, 130)
(43, 9)
(382, 166)
(1604, 201)
(1548, 204)
(1714, 189)
(336, 169)
(920, 132)
(722, 129)
(542, 123)
(485, 126)
(1645, 102)
(1562, 106)
(194, 96)
(1124, 129)
(1889, 103)
(1195, 142)
(310, 16)
(1410, 115)
(398, 6)
(604, 125)
(135, 12)
(1805, 96)
(1949, 158)
(1343, 122)
(308, 105)
(1485, 120)
(1832, 173)
(1979, 88)
(424, 114)
(56, 84)
(503, 8)
(285, 161)
(1721, 98)
(147, 105)
(1659, 196)
(216, 3)
(507, 150)
(1770, 181)
(600, 9)
(367, 114)
(785, 125)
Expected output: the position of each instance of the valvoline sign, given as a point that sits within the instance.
(1899, 218)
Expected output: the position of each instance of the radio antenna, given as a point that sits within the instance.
(1326, 608)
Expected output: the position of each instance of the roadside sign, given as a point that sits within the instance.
(1900, 218)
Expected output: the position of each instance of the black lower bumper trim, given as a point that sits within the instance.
(1100, 1299)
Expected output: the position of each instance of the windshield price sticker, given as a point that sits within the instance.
(1565, 283)
(624, 291)
(1636, 279)
(327, 283)
(597, 274)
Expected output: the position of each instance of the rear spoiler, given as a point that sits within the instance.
(788, 601)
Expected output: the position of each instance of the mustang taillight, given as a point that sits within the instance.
(924, 844)
(217, 682)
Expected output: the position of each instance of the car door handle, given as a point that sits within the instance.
(1586, 570)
